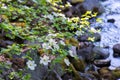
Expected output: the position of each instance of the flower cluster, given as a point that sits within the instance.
(43, 60)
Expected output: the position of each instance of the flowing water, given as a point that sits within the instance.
(111, 31)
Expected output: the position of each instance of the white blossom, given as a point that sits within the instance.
(31, 65)
(48, 1)
(78, 33)
(52, 42)
(62, 43)
(45, 60)
(51, 17)
(71, 53)
(46, 46)
(50, 36)
(56, 46)
(67, 62)
(55, 14)
(4, 6)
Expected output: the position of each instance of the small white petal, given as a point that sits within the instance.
(71, 53)
(46, 46)
(67, 62)
(62, 42)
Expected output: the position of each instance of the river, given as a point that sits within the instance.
(110, 31)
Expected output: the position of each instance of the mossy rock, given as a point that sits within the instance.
(116, 73)
(78, 64)
(76, 1)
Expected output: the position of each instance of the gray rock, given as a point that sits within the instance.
(85, 37)
(80, 8)
(90, 53)
(90, 5)
(78, 64)
(116, 50)
(86, 53)
(52, 75)
(101, 53)
(102, 63)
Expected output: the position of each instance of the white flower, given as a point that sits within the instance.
(71, 53)
(51, 17)
(50, 36)
(52, 42)
(31, 65)
(45, 60)
(48, 1)
(62, 43)
(46, 46)
(55, 14)
(67, 62)
(4, 6)
(56, 46)
(62, 15)
(78, 33)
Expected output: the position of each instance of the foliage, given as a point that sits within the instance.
(33, 21)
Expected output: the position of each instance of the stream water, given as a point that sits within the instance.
(110, 32)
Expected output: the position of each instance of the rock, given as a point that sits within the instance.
(72, 41)
(79, 7)
(52, 75)
(88, 76)
(111, 20)
(116, 50)
(86, 53)
(76, 1)
(106, 74)
(89, 5)
(68, 14)
(83, 38)
(102, 63)
(72, 1)
(116, 73)
(95, 74)
(89, 53)
(76, 75)
(5, 43)
(78, 64)
(102, 53)
(67, 76)
(60, 68)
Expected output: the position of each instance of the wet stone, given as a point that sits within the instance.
(86, 53)
(85, 37)
(102, 53)
(116, 73)
(102, 63)
(106, 74)
(111, 20)
(77, 63)
(116, 50)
